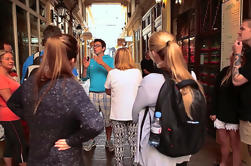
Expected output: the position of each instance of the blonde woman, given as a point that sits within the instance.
(122, 84)
(166, 53)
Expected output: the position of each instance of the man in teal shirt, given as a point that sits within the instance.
(96, 70)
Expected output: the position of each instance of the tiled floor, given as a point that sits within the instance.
(100, 157)
(207, 156)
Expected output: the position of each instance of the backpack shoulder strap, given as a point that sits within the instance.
(143, 121)
(188, 82)
(166, 91)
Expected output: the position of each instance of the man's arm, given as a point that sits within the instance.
(237, 78)
(100, 61)
(15, 102)
(84, 72)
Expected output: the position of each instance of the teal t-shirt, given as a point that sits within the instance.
(97, 74)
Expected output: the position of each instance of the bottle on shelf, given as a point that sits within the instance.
(203, 58)
(154, 139)
(215, 57)
(216, 45)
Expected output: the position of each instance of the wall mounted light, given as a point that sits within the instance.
(178, 2)
(61, 9)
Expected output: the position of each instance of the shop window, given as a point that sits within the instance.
(41, 8)
(33, 4)
(157, 11)
(246, 9)
(22, 31)
(143, 24)
(137, 46)
(42, 27)
(6, 26)
(149, 20)
(183, 25)
(210, 16)
(34, 34)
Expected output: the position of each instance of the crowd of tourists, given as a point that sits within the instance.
(62, 119)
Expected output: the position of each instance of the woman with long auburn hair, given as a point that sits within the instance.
(122, 84)
(167, 55)
(56, 107)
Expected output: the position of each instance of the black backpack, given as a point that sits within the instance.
(180, 135)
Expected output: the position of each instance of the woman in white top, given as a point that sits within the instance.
(122, 84)
(166, 53)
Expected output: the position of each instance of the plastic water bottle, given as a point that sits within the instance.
(154, 138)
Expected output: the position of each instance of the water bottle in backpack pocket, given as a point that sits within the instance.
(155, 132)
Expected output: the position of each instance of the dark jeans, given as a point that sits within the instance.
(182, 164)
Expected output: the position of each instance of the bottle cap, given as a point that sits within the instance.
(157, 114)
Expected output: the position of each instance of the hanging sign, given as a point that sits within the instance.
(87, 36)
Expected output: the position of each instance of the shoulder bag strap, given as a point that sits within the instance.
(188, 82)
(143, 121)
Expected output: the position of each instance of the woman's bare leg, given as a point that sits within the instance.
(224, 146)
(7, 161)
(235, 143)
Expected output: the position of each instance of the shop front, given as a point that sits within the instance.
(23, 23)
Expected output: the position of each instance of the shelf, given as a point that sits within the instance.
(209, 49)
(215, 62)
(209, 33)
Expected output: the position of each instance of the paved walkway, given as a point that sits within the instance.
(207, 156)
(100, 157)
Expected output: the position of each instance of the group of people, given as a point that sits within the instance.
(50, 96)
(232, 112)
(120, 94)
(61, 116)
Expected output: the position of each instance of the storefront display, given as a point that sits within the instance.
(209, 65)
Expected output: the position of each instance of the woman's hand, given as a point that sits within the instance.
(213, 117)
(61, 144)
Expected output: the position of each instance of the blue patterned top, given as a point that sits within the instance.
(65, 112)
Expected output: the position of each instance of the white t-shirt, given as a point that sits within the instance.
(124, 85)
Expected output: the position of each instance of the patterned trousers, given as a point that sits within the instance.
(123, 130)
